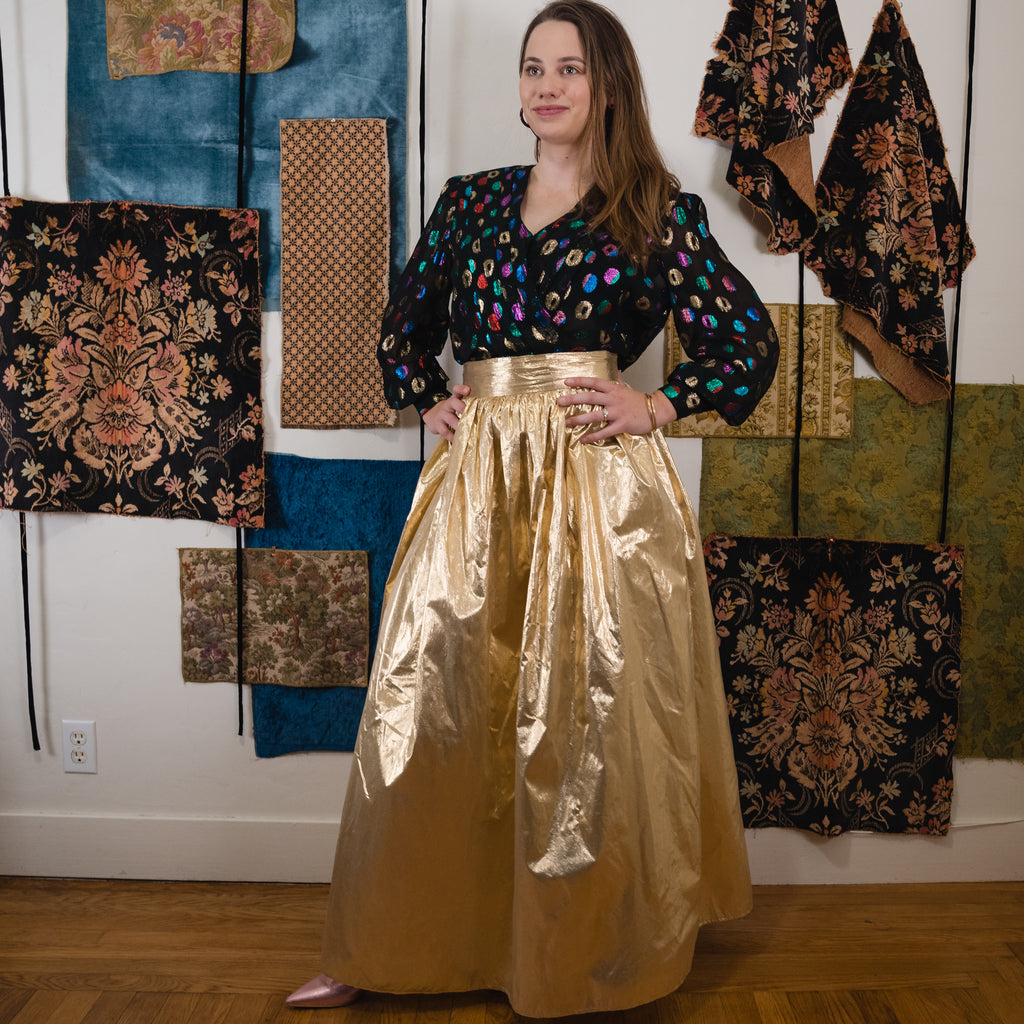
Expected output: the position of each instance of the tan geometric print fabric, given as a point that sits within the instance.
(828, 380)
(335, 230)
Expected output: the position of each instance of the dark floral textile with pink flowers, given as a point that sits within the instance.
(841, 662)
(130, 361)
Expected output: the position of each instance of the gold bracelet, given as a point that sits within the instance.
(650, 410)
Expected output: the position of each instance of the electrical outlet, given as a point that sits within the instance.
(79, 742)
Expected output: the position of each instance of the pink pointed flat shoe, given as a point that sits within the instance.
(322, 992)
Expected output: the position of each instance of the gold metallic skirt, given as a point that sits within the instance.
(543, 798)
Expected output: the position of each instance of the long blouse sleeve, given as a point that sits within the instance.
(416, 319)
(723, 326)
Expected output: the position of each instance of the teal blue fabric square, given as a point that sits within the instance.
(328, 505)
(173, 138)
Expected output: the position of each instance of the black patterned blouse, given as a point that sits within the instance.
(478, 273)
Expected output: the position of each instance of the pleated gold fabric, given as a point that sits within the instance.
(543, 798)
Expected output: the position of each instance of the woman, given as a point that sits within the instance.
(543, 798)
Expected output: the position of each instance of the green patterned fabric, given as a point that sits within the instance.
(885, 483)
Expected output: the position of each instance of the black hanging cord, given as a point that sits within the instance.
(23, 533)
(799, 421)
(423, 161)
(242, 72)
(240, 202)
(28, 633)
(423, 115)
(951, 407)
(3, 127)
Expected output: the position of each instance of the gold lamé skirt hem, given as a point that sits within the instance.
(551, 1009)
(543, 798)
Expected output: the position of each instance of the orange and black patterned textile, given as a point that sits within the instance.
(841, 662)
(775, 67)
(130, 360)
(335, 226)
(888, 238)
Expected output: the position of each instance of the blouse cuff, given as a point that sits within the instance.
(429, 401)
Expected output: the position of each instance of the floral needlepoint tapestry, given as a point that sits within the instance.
(776, 64)
(150, 37)
(841, 662)
(130, 361)
(305, 616)
(888, 239)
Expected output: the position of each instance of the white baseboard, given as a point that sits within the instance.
(984, 852)
(179, 849)
(260, 850)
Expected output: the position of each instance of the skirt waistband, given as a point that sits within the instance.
(518, 375)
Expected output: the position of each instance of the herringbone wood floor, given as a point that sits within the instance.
(95, 952)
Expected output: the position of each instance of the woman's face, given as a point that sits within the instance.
(554, 86)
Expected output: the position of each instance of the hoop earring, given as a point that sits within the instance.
(525, 123)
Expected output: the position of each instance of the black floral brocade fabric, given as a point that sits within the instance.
(841, 662)
(130, 360)
(888, 238)
(479, 274)
(776, 65)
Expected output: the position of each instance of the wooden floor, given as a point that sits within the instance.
(92, 952)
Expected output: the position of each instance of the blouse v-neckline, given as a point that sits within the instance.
(543, 229)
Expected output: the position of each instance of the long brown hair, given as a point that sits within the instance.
(632, 186)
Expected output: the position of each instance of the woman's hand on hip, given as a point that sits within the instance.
(616, 408)
(443, 418)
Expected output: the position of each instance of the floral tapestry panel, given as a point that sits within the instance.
(305, 616)
(828, 381)
(841, 662)
(150, 37)
(328, 504)
(174, 138)
(886, 483)
(889, 217)
(776, 64)
(130, 361)
(334, 271)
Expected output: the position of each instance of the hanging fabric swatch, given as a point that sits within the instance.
(151, 37)
(130, 361)
(841, 665)
(306, 616)
(828, 380)
(777, 64)
(328, 504)
(889, 216)
(334, 271)
(885, 482)
(182, 130)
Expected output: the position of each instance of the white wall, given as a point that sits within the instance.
(177, 794)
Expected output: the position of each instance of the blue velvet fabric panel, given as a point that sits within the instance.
(174, 138)
(328, 505)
